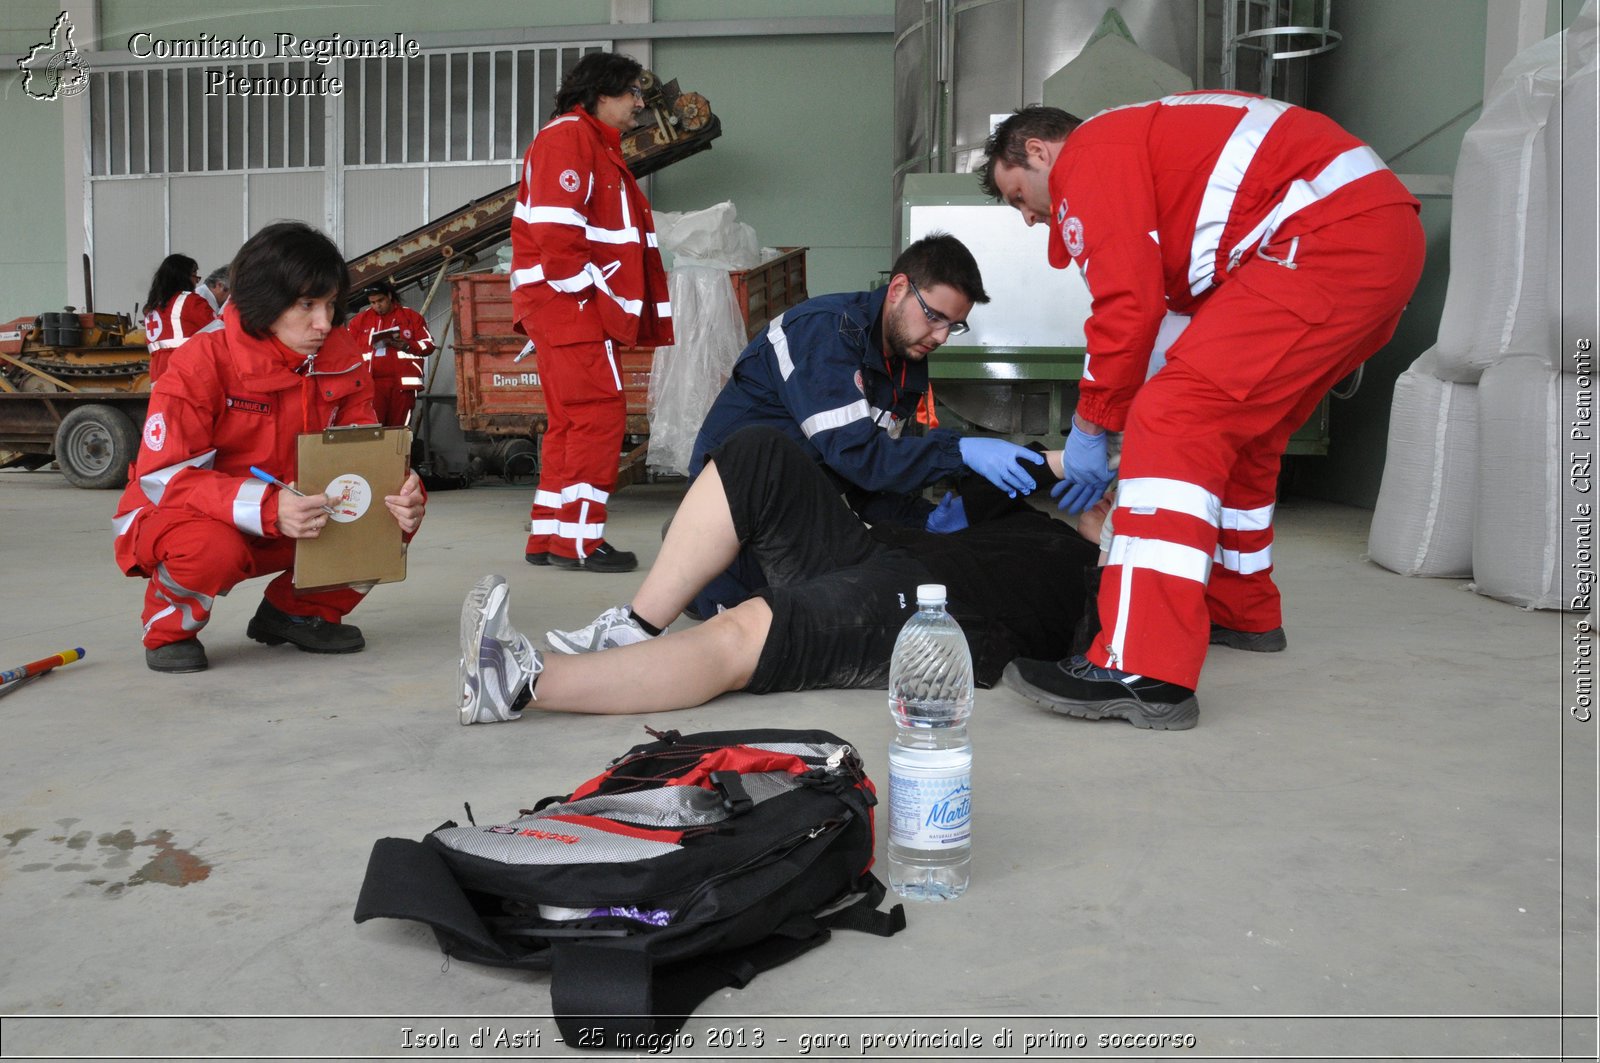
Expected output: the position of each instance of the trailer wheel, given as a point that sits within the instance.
(95, 445)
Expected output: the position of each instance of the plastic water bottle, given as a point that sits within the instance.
(930, 761)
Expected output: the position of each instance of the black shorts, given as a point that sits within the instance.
(838, 597)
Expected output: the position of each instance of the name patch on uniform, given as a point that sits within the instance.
(249, 405)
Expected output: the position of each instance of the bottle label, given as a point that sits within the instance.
(930, 807)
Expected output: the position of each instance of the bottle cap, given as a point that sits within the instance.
(930, 594)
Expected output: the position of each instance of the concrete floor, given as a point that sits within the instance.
(1363, 849)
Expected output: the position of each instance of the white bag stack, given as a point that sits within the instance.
(1422, 525)
(1526, 491)
(1520, 297)
(1499, 222)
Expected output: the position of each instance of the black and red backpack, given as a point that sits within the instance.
(691, 864)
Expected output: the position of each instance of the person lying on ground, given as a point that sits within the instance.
(837, 595)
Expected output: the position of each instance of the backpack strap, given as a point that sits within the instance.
(611, 997)
(409, 880)
(862, 913)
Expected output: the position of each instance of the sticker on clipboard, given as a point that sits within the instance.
(349, 495)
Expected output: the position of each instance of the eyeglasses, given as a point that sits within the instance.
(936, 319)
(636, 92)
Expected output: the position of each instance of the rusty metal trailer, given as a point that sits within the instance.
(73, 390)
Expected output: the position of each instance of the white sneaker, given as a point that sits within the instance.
(496, 661)
(612, 628)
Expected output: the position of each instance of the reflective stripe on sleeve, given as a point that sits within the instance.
(780, 346)
(247, 507)
(828, 420)
(154, 484)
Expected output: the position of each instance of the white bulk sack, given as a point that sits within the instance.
(1422, 525)
(1570, 147)
(1499, 222)
(1523, 543)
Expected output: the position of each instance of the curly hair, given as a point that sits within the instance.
(597, 74)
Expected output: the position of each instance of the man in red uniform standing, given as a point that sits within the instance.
(193, 520)
(586, 278)
(1293, 249)
(397, 341)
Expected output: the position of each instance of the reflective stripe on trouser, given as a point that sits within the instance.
(1205, 438)
(194, 560)
(578, 456)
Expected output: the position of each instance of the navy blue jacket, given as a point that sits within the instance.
(819, 375)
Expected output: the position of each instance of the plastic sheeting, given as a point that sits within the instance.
(703, 246)
(1525, 494)
(1423, 522)
(1572, 192)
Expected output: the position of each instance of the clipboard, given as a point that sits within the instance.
(362, 542)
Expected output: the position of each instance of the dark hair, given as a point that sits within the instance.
(940, 258)
(383, 287)
(174, 275)
(597, 74)
(285, 261)
(1008, 143)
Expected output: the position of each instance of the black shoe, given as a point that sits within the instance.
(603, 558)
(540, 558)
(1077, 688)
(176, 657)
(310, 633)
(1258, 641)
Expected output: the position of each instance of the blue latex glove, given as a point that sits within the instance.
(996, 461)
(950, 515)
(1084, 472)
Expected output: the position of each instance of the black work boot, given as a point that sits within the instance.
(603, 558)
(1075, 687)
(310, 633)
(1258, 641)
(186, 655)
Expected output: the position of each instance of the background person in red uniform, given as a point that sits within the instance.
(397, 341)
(1294, 249)
(193, 521)
(177, 307)
(586, 278)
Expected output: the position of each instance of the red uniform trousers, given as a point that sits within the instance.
(582, 443)
(1192, 528)
(194, 558)
(393, 401)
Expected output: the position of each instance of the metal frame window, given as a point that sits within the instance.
(459, 105)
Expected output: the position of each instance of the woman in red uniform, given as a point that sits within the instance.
(193, 521)
(173, 312)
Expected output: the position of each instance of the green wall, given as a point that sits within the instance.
(805, 148)
(33, 260)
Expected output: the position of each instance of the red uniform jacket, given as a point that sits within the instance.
(1158, 202)
(168, 328)
(387, 361)
(584, 262)
(229, 401)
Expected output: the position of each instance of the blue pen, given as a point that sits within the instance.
(262, 474)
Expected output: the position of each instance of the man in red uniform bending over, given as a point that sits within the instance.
(193, 520)
(1293, 249)
(586, 278)
(397, 341)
